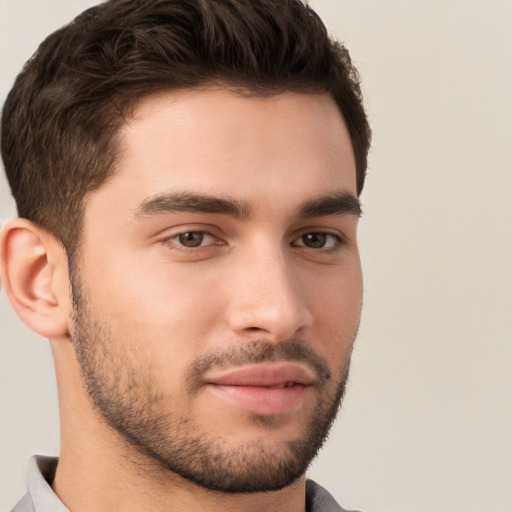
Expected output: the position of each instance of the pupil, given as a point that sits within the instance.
(315, 240)
(191, 239)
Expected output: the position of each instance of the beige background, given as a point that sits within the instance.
(427, 423)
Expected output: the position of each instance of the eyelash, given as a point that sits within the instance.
(336, 240)
(175, 240)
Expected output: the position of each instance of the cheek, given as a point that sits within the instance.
(162, 313)
(336, 294)
(336, 306)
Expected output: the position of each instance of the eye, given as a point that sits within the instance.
(318, 240)
(193, 239)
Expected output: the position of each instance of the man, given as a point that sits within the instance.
(187, 175)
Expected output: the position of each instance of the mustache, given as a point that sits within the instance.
(253, 352)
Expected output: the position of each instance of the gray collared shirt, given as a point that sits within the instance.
(41, 498)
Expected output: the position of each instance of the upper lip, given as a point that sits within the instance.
(263, 375)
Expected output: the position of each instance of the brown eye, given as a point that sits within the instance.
(317, 240)
(191, 238)
(314, 240)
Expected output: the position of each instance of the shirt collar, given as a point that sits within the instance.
(40, 473)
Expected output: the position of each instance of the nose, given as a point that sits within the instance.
(267, 298)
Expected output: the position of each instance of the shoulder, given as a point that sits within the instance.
(320, 500)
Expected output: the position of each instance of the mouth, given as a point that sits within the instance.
(264, 389)
(281, 386)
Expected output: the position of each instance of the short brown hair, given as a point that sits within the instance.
(61, 118)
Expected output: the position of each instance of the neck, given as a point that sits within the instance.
(105, 483)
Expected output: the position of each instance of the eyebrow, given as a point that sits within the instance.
(192, 203)
(342, 203)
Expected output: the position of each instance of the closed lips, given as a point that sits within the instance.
(273, 375)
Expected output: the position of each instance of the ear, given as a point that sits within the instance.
(34, 272)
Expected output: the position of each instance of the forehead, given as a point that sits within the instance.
(219, 143)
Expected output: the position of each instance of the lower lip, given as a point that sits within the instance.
(262, 400)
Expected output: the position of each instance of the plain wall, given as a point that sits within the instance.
(427, 422)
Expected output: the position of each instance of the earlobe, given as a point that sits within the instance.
(33, 268)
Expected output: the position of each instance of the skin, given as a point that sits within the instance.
(254, 279)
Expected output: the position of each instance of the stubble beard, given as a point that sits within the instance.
(129, 401)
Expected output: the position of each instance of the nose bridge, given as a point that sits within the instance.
(267, 295)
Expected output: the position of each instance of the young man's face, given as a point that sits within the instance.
(218, 288)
